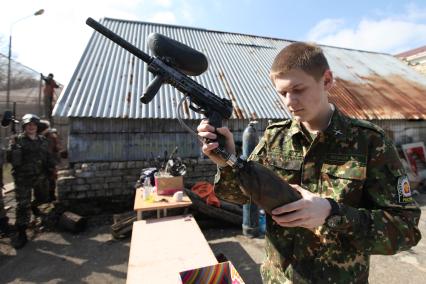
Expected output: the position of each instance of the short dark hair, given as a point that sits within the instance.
(300, 55)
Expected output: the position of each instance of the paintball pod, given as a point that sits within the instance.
(173, 63)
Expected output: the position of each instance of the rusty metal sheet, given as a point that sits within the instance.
(108, 81)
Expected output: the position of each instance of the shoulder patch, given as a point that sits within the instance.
(404, 190)
(367, 124)
(282, 123)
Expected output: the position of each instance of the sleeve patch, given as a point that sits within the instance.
(404, 190)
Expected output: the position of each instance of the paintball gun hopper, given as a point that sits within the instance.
(188, 60)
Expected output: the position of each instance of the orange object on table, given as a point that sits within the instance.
(205, 190)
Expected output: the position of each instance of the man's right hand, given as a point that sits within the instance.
(206, 131)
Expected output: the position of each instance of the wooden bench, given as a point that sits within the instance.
(161, 248)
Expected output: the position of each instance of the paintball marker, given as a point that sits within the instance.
(173, 64)
(9, 119)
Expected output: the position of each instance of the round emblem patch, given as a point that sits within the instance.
(404, 190)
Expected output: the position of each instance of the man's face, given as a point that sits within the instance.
(30, 128)
(305, 97)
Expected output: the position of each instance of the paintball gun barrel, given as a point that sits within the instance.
(174, 62)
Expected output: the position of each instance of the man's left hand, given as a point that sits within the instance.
(308, 212)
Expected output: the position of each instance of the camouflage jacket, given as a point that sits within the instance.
(30, 158)
(353, 162)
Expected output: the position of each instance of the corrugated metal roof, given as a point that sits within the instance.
(411, 52)
(108, 80)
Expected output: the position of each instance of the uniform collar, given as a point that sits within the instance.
(337, 128)
(295, 128)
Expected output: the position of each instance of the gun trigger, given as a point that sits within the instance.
(196, 109)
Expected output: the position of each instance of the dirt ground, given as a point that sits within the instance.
(94, 256)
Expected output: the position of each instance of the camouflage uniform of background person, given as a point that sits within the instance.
(31, 163)
(4, 220)
(5, 228)
(49, 94)
(356, 199)
(57, 152)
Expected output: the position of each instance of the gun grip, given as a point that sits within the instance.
(215, 119)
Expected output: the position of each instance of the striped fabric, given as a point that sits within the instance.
(222, 273)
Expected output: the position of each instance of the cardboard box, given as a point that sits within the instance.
(168, 185)
(221, 273)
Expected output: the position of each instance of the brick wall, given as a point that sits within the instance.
(115, 179)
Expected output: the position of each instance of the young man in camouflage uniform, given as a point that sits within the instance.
(356, 199)
(31, 162)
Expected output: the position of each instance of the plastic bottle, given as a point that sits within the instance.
(147, 193)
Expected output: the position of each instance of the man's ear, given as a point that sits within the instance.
(328, 79)
(272, 78)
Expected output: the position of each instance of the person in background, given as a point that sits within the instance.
(49, 94)
(57, 152)
(31, 161)
(356, 198)
(5, 228)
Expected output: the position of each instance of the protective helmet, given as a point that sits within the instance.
(30, 118)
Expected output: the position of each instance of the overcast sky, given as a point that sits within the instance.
(54, 41)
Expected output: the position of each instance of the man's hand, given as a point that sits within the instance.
(206, 131)
(308, 212)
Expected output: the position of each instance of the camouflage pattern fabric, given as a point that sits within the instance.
(34, 157)
(352, 162)
(30, 172)
(23, 197)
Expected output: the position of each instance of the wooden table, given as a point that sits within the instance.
(161, 248)
(161, 202)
